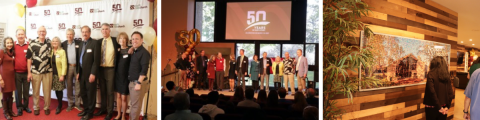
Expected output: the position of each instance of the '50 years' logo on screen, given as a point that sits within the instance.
(253, 20)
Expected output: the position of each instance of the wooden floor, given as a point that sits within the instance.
(225, 92)
(459, 102)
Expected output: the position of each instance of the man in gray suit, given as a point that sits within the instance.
(301, 70)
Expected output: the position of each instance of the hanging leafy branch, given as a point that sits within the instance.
(340, 60)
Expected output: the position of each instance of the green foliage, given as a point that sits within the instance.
(340, 23)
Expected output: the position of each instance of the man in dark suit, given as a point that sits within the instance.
(106, 78)
(265, 64)
(88, 69)
(242, 67)
(201, 65)
(72, 50)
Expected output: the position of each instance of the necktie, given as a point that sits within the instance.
(83, 51)
(203, 61)
(104, 48)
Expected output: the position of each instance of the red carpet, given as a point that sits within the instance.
(64, 115)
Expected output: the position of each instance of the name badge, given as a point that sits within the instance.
(244, 61)
(33, 67)
(257, 62)
(89, 50)
(58, 56)
(125, 56)
(220, 61)
(25, 51)
(76, 46)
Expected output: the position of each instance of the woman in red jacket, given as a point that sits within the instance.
(211, 72)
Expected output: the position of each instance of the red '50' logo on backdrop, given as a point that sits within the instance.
(138, 23)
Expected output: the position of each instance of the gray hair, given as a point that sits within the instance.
(106, 24)
(71, 30)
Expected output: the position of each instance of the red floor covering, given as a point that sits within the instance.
(64, 115)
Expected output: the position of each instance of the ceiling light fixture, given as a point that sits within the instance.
(461, 41)
(473, 44)
(470, 39)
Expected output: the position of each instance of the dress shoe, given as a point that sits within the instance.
(36, 112)
(87, 117)
(27, 110)
(58, 111)
(20, 112)
(83, 113)
(119, 118)
(47, 112)
(108, 117)
(101, 112)
(78, 108)
(69, 108)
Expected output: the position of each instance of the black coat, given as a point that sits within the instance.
(438, 93)
(269, 61)
(199, 65)
(243, 63)
(77, 51)
(91, 59)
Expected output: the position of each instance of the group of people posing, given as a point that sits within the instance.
(211, 70)
(75, 64)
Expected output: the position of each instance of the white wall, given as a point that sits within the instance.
(11, 19)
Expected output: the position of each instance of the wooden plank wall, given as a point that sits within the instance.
(421, 19)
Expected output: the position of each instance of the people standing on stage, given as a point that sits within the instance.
(301, 70)
(211, 72)
(265, 63)
(255, 72)
(72, 51)
(58, 61)
(107, 71)
(121, 75)
(231, 72)
(90, 57)
(191, 72)
(136, 74)
(183, 65)
(201, 68)
(277, 72)
(7, 77)
(21, 82)
(288, 73)
(242, 68)
(40, 70)
(220, 67)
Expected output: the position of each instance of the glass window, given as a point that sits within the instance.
(204, 20)
(312, 34)
(273, 50)
(291, 49)
(310, 53)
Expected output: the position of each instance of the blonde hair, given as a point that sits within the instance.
(124, 35)
(212, 57)
(59, 42)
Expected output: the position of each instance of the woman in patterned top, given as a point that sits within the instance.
(191, 73)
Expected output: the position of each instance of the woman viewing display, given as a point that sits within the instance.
(438, 91)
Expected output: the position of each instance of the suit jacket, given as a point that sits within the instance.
(302, 67)
(91, 59)
(243, 63)
(116, 48)
(77, 51)
(199, 64)
(269, 61)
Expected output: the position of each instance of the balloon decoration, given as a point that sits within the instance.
(31, 3)
(188, 41)
(21, 27)
(155, 44)
(155, 25)
(148, 35)
(21, 9)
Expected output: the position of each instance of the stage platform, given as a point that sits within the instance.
(227, 93)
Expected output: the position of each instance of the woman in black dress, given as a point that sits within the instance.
(231, 72)
(121, 83)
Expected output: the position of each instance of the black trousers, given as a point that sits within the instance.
(202, 81)
(106, 81)
(88, 91)
(21, 93)
(434, 114)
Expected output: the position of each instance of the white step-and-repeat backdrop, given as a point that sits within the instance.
(122, 15)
